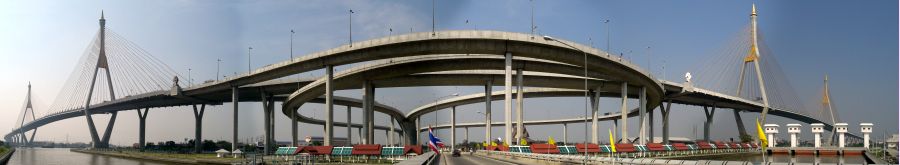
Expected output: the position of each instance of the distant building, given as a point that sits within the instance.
(892, 142)
(318, 140)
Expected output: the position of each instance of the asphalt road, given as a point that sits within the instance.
(467, 159)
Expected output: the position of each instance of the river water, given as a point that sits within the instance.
(62, 156)
(785, 158)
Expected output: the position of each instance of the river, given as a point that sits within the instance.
(62, 156)
(785, 158)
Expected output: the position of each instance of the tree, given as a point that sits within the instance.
(208, 145)
(223, 145)
(746, 138)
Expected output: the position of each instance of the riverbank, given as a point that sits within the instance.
(164, 157)
(5, 154)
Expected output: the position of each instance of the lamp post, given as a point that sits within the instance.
(292, 45)
(606, 22)
(190, 80)
(248, 59)
(351, 27)
(218, 61)
(548, 38)
(439, 98)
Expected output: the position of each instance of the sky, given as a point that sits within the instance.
(851, 41)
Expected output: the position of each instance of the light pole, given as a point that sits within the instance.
(190, 80)
(351, 27)
(248, 59)
(432, 18)
(292, 45)
(606, 22)
(548, 38)
(532, 19)
(439, 98)
(218, 61)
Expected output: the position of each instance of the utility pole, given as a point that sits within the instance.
(190, 80)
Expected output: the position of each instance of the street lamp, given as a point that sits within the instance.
(190, 80)
(548, 38)
(218, 61)
(350, 23)
(248, 59)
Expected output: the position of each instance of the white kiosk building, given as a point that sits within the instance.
(793, 129)
(841, 130)
(866, 129)
(771, 130)
(818, 129)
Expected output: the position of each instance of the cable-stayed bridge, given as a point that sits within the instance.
(116, 75)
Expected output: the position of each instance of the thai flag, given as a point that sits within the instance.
(434, 143)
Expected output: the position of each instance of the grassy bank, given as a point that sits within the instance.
(166, 157)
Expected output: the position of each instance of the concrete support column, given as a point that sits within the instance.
(142, 127)
(198, 128)
(265, 123)
(271, 123)
(418, 131)
(349, 126)
(109, 128)
(390, 136)
(595, 108)
(566, 133)
(650, 125)
(520, 127)
(742, 131)
(329, 105)
(453, 128)
(507, 101)
(665, 121)
(294, 127)
(624, 113)
(466, 135)
(707, 126)
(615, 125)
(234, 101)
(642, 119)
(487, 111)
(368, 113)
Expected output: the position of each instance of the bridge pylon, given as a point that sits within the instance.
(753, 58)
(826, 104)
(22, 139)
(104, 64)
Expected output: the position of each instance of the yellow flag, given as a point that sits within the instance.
(551, 141)
(762, 136)
(493, 144)
(612, 141)
(485, 144)
(523, 142)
